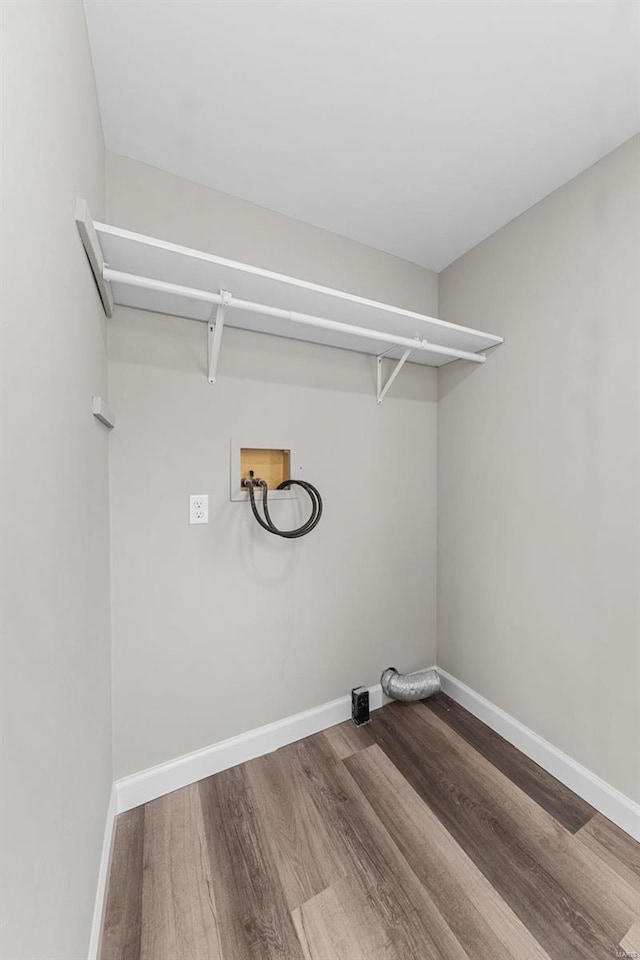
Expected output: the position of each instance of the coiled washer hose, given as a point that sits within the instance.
(268, 524)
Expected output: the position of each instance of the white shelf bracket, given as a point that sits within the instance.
(93, 250)
(382, 390)
(102, 412)
(214, 336)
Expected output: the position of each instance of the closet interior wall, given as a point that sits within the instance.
(538, 459)
(220, 628)
(55, 675)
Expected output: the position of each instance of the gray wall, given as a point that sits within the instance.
(538, 465)
(220, 628)
(55, 695)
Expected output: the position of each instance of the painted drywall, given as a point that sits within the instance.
(55, 676)
(222, 627)
(539, 472)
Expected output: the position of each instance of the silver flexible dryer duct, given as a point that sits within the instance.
(410, 686)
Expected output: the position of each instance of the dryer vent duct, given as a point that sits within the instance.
(410, 686)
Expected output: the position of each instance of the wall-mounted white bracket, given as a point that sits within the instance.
(214, 337)
(93, 250)
(382, 390)
(102, 412)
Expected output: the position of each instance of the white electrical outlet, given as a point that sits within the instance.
(199, 508)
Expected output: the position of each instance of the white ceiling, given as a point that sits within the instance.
(416, 127)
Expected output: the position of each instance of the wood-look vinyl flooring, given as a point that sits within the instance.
(421, 836)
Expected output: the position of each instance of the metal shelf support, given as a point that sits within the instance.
(191, 293)
(214, 336)
(382, 390)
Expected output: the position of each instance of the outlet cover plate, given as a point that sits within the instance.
(199, 508)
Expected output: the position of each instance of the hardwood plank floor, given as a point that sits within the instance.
(477, 915)
(520, 849)
(346, 738)
(567, 808)
(422, 836)
(253, 917)
(177, 886)
(340, 923)
(298, 837)
(404, 909)
(631, 942)
(614, 846)
(121, 932)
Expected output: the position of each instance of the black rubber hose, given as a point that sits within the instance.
(316, 501)
(268, 524)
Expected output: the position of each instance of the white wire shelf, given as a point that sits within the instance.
(150, 274)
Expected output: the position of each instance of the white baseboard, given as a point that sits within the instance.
(103, 875)
(610, 802)
(157, 781)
